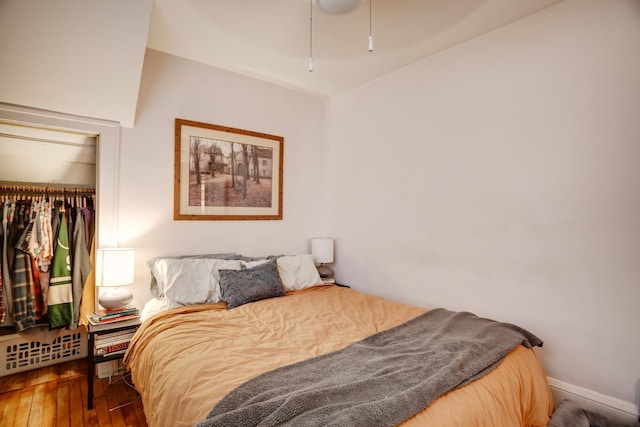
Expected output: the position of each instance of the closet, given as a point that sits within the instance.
(49, 177)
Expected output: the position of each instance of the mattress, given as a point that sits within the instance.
(184, 360)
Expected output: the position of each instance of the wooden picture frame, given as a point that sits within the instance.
(211, 180)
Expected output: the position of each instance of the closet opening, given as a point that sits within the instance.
(68, 164)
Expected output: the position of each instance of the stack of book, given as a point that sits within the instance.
(111, 343)
(101, 317)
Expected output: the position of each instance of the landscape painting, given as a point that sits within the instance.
(223, 173)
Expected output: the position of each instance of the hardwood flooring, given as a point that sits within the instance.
(57, 396)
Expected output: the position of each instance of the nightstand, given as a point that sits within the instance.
(123, 327)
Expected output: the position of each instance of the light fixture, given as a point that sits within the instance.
(117, 271)
(335, 7)
(338, 7)
(322, 251)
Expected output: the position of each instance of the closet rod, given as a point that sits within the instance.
(90, 145)
(23, 187)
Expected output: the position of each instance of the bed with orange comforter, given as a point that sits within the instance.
(185, 360)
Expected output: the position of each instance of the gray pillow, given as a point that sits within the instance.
(252, 284)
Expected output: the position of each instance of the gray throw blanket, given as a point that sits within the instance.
(570, 414)
(381, 380)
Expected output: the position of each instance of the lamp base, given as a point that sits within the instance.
(324, 271)
(115, 298)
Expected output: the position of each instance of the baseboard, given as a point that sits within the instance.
(590, 399)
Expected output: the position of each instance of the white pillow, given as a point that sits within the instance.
(152, 307)
(251, 264)
(158, 269)
(192, 280)
(298, 272)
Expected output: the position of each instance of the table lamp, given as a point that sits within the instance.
(322, 251)
(117, 272)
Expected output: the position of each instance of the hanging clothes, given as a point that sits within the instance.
(41, 250)
(55, 222)
(7, 214)
(26, 243)
(22, 277)
(45, 257)
(46, 254)
(3, 312)
(89, 223)
(60, 297)
(3, 299)
(81, 264)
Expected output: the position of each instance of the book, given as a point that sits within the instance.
(112, 314)
(122, 325)
(94, 322)
(112, 340)
(106, 336)
(120, 348)
(112, 348)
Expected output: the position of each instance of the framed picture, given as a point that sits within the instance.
(222, 173)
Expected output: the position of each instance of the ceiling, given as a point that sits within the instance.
(270, 39)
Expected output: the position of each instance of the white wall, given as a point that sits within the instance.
(74, 56)
(176, 88)
(502, 176)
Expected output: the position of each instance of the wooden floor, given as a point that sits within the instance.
(57, 396)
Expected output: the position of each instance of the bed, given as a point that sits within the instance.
(189, 356)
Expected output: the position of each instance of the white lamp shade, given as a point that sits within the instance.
(117, 266)
(338, 7)
(322, 250)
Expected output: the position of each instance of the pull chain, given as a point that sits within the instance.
(310, 36)
(370, 31)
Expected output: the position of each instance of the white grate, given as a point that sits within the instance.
(18, 354)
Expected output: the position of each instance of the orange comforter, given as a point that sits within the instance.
(186, 359)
